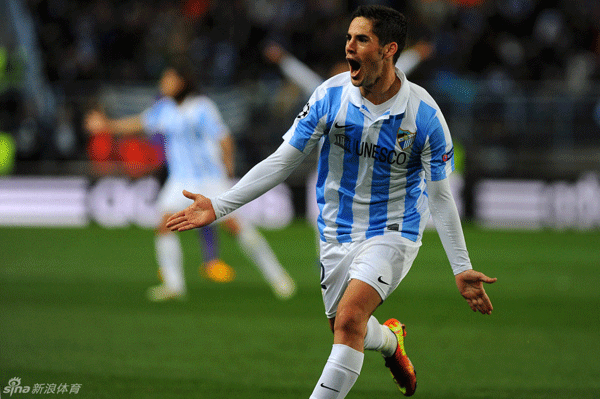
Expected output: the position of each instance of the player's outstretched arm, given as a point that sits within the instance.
(96, 121)
(200, 213)
(470, 286)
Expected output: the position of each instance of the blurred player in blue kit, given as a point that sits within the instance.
(383, 170)
(200, 153)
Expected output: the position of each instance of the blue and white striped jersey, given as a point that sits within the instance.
(192, 131)
(373, 168)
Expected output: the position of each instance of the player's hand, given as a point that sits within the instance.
(470, 285)
(274, 52)
(424, 49)
(96, 122)
(200, 213)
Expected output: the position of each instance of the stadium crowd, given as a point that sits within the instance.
(480, 47)
(502, 41)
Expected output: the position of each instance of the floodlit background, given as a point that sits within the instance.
(519, 84)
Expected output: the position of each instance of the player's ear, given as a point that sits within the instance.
(390, 49)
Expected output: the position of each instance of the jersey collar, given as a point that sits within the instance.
(397, 108)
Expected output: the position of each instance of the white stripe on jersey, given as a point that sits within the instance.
(372, 169)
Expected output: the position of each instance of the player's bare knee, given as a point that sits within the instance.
(350, 322)
(162, 228)
(232, 226)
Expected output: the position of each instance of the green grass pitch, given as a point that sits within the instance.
(73, 311)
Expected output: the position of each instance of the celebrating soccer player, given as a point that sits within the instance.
(383, 170)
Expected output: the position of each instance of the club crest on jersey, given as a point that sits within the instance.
(405, 139)
(304, 111)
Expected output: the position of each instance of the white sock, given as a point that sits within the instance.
(255, 246)
(340, 373)
(380, 338)
(170, 260)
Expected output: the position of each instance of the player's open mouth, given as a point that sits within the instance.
(354, 67)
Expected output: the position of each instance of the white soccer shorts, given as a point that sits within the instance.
(381, 261)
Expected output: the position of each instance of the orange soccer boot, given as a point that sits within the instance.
(400, 366)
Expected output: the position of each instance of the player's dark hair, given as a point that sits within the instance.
(184, 68)
(389, 25)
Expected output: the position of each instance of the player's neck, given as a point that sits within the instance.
(384, 89)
